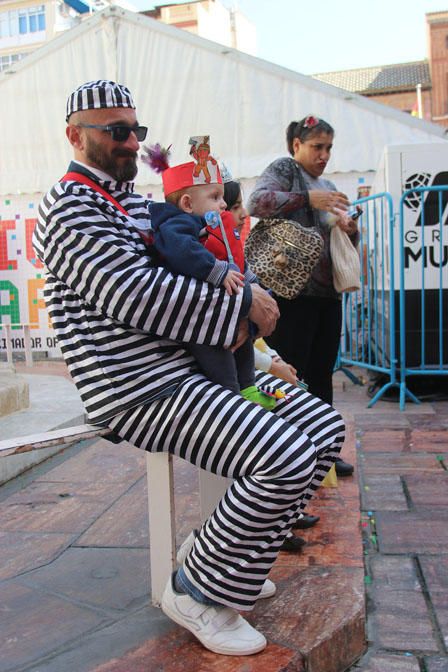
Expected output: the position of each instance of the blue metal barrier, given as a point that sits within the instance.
(368, 331)
(423, 293)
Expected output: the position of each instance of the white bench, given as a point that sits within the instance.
(159, 471)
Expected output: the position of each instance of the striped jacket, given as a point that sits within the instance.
(120, 321)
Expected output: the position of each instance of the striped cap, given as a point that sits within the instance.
(98, 95)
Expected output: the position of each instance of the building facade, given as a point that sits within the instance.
(210, 19)
(419, 88)
(26, 25)
(437, 24)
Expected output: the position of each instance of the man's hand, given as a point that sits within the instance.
(233, 281)
(264, 311)
(328, 200)
(243, 334)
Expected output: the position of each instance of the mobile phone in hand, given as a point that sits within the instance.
(354, 212)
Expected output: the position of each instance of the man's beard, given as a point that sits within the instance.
(120, 171)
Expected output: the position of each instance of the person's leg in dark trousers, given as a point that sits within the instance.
(295, 331)
(233, 370)
(245, 364)
(324, 348)
(322, 358)
(217, 364)
(308, 336)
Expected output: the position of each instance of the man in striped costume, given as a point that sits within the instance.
(121, 324)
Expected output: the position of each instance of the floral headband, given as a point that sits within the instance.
(310, 121)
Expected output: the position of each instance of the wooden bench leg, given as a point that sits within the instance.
(159, 471)
(211, 490)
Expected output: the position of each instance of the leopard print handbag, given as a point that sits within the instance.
(282, 253)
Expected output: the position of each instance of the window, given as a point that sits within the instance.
(28, 20)
(10, 59)
(23, 23)
(9, 23)
(31, 19)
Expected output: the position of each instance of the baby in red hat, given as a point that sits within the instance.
(195, 236)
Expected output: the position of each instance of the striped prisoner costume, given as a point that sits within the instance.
(120, 323)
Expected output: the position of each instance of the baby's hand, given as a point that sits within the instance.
(233, 281)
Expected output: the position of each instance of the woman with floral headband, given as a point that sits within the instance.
(309, 328)
(267, 359)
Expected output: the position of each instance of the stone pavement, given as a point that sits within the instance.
(74, 560)
(402, 471)
(53, 401)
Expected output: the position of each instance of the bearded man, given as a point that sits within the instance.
(121, 323)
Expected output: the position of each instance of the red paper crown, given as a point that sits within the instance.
(182, 176)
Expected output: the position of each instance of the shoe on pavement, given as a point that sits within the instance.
(293, 544)
(268, 589)
(219, 629)
(305, 521)
(343, 468)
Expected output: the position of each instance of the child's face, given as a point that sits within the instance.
(206, 197)
(239, 213)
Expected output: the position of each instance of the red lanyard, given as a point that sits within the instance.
(79, 177)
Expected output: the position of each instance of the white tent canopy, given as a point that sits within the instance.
(183, 85)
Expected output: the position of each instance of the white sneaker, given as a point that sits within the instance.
(268, 588)
(219, 629)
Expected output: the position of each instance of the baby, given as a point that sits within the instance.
(193, 235)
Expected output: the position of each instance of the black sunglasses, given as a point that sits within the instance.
(120, 133)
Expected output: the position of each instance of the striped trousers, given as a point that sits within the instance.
(277, 460)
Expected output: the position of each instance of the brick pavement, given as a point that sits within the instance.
(402, 470)
(74, 575)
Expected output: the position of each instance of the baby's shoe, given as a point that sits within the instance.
(266, 397)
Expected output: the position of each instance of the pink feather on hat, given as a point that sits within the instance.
(157, 157)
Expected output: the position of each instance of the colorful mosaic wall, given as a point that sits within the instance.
(21, 277)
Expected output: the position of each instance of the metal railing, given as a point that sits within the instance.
(368, 315)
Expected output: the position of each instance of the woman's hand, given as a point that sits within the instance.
(281, 369)
(348, 224)
(328, 200)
